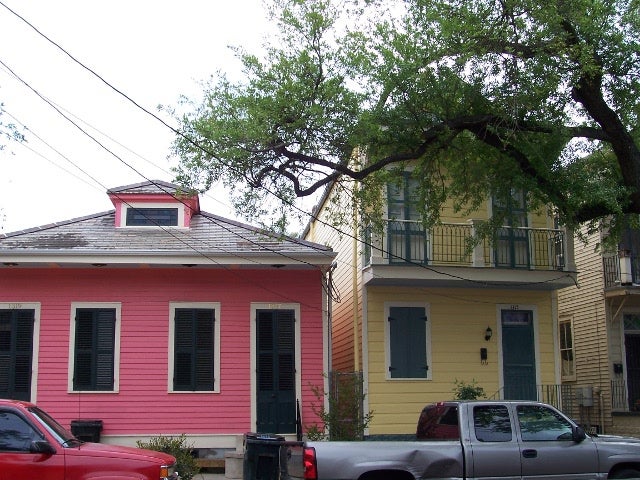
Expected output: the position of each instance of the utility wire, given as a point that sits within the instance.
(213, 155)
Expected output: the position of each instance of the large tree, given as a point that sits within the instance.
(482, 96)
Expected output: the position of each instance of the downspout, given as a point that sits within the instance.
(354, 275)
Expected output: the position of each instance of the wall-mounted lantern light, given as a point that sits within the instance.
(488, 333)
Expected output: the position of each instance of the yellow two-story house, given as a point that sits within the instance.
(418, 310)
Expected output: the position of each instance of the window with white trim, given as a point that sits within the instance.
(95, 344)
(408, 342)
(194, 348)
(152, 217)
(567, 361)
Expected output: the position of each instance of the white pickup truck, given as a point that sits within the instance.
(480, 440)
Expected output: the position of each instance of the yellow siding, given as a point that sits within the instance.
(458, 319)
(585, 306)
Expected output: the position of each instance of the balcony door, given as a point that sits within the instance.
(407, 241)
(511, 249)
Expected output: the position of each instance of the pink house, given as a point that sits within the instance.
(158, 318)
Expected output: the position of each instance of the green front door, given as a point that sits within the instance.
(16, 353)
(276, 392)
(518, 355)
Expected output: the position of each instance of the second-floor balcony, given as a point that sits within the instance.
(510, 249)
(621, 270)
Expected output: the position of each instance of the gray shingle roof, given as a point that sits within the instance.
(211, 239)
(153, 186)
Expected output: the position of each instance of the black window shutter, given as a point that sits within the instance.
(94, 349)
(204, 372)
(105, 325)
(24, 350)
(286, 350)
(194, 350)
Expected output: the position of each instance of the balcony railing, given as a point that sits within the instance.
(407, 242)
(621, 269)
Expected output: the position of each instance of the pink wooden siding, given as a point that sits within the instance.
(142, 405)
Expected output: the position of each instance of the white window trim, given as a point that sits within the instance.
(137, 205)
(561, 320)
(215, 306)
(387, 340)
(116, 347)
(35, 306)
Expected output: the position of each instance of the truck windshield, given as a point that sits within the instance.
(54, 428)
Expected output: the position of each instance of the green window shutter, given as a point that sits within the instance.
(194, 350)
(407, 342)
(94, 358)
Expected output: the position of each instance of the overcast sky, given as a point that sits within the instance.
(151, 50)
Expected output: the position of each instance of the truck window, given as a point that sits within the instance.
(16, 435)
(539, 423)
(438, 422)
(492, 423)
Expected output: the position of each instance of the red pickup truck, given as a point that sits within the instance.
(35, 446)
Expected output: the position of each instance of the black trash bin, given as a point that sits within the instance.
(262, 456)
(87, 430)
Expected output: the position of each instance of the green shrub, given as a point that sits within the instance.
(186, 465)
(344, 418)
(467, 391)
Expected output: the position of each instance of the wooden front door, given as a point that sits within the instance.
(276, 385)
(518, 355)
(632, 351)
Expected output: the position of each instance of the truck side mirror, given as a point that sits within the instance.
(42, 446)
(578, 434)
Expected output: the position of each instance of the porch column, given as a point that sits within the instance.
(570, 255)
(477, 255)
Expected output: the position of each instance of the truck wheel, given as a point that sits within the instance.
(626, 473)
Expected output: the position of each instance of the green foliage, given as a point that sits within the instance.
(186, 464)
(477, 98)
(344, 418)
(467, 391)
(9, 131)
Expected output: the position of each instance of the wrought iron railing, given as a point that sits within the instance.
(619, 399)
(621, 269)
(561, 396)
(408, 242)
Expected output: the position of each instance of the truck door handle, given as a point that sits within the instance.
(529, 453)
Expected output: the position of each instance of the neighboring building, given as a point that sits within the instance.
(419, 310)
(600, 333)
(158, 318)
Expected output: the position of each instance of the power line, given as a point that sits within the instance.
(228, 165)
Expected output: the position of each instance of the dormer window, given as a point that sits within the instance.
(152, 217)
(152, 214)
(153, 204)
